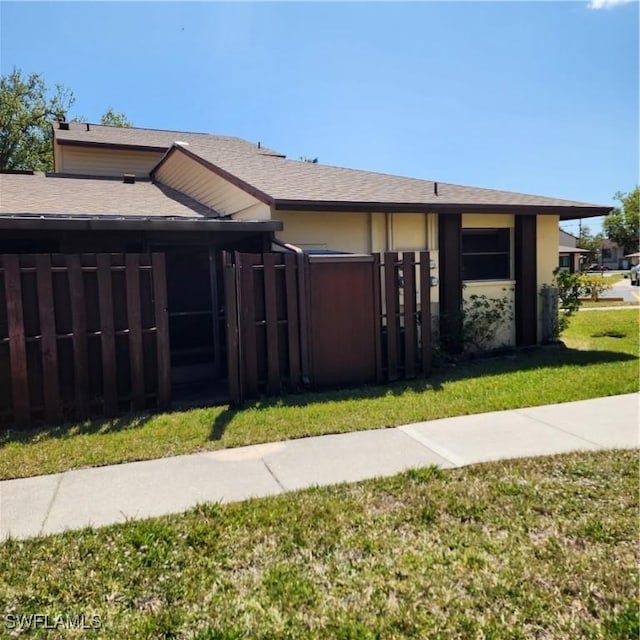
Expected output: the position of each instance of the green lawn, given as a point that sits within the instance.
(539, 548)
(601, 360)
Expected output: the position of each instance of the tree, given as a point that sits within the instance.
(593, 244)
(622, 225)
(115, 119)
(27, 107)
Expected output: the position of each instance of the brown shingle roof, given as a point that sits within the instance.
(148, 138)
(295, 184)
(50, 195)
(290, 181)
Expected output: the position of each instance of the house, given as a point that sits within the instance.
(570, 257)
(190, 196)
(612, 255)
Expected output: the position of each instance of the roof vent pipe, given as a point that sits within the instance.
(88, 128)
(129, 178)
(258, 144)
(435, 188)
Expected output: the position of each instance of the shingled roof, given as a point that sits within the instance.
(295, 185)
(291, 184)
(79, 133)
(46, 195)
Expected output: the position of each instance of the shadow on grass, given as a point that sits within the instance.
(536, 358)
(66, 430)
(520, 361)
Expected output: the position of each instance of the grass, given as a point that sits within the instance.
(594, 364)
(538, 548)
(607, 302)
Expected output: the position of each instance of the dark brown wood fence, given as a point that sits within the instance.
(325, 321)
(82, 335)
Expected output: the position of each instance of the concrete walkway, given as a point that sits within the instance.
(106, 495)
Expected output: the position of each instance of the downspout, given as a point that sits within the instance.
(302, 306)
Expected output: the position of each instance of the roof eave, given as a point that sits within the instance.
(565, 212)
(110, 145)
(95, 222)
(226, 175)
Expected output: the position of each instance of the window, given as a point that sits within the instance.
(565, 262)
(606, 254)
(486, 254)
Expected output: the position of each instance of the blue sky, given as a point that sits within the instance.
(537, 97)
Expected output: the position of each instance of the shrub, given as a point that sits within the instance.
(483, 317)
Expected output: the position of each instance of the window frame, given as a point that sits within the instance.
(501, 252)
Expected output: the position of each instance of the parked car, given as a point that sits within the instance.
(634, 275)
(597, 267)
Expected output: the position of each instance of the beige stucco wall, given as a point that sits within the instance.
(359, 232)
(547, 236)
(505, 335)
(97, 161)
(349, 232)
(184, 174)
(364, 233)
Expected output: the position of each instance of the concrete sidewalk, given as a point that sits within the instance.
(106, 495)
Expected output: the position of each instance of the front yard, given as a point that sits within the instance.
(538, 548)
(601, 359)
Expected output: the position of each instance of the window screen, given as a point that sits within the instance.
(486, 254)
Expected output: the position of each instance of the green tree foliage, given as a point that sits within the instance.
(593, 244)
(571, 289)
(115, 118)
(622, 226)
(27, 107)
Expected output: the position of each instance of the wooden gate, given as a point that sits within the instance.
(325, 321)
(82, 335)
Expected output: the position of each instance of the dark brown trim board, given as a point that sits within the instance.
(450, 245)
(565, 212)
(526, 295)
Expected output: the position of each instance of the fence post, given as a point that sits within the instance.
(391, 300)
(79, 327)
(162, 329)
(232, 326)
(48, 340)
(17, 345)
(409, 278)
(425, 312)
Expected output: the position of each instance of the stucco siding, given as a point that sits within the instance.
(350, 232)
(359, 232)
(409, 231)
(487, 221)
(547, 258)
(184, 174)
(505, 335)
(96, 161)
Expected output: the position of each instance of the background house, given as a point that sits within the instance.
(570, 257)
(612, 255)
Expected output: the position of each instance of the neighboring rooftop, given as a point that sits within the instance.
(155, 139)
